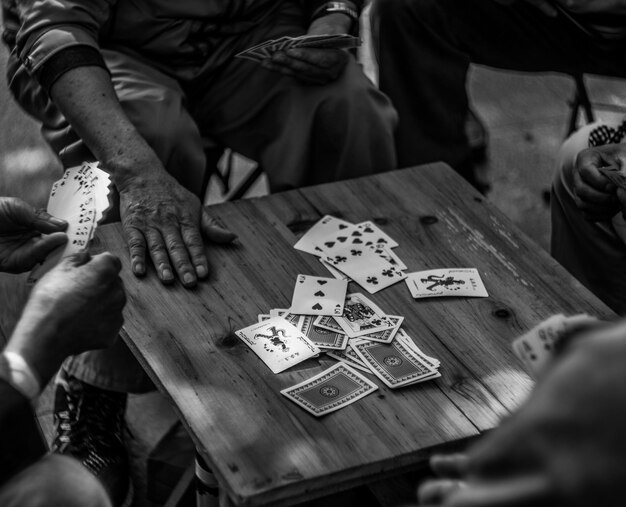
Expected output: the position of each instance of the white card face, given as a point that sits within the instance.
(389, 255)
(446, 282)
(387, 335)
(278, 343)
(323, 338)
(333, 271)
(335, 388)
(374, 235)
(327, 226)
(361, 317)
(365, 267)
(395, 364)
(314, 295)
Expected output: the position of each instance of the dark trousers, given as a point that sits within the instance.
(425, 48)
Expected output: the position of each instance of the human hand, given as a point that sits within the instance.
(314, 66)
(75, 307)
(162, 217)
(594, 194)
(22, 245)
(565, 445)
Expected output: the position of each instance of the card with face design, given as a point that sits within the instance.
(279, 344)
(446, 282)
(366, 268)
(361, 317)
(314, 295)
(337, 387)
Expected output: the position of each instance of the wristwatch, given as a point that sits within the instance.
(347, 8)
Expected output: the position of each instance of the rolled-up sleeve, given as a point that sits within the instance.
(56, 36)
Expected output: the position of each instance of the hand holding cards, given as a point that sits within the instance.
(266, 49)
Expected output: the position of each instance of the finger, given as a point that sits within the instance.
(78, 259)
(137, 250)
(592, 195)
(109, 260)
(159, 256)
(324, 58)
(44, 245)
(450, 466)
(286, 71)
(46, 223)
(436, 492)
(516, 492)
(300, 67)
(195, 247)
(177, 250)
(587, 163)
(215, 232)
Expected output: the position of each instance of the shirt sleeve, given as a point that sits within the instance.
(56, 36)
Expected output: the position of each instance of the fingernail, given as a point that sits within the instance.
(166, 274)
(201, 271)
(57, 221)
(188, 278)
(140, 268)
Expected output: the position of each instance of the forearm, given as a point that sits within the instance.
(86, 97)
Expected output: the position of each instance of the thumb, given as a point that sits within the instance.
(76, 259)
(213, 231)
(45, 223)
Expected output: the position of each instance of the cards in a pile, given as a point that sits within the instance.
(446, 282)
(359, 252)
(335, 388)
(314, 295)
(616, 174)
(536, 348)
(266, 49)
(80, 197)
(279, 344)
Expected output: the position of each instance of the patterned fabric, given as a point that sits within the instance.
(604, 134)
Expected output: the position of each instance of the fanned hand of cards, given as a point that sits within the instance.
(266, 49)
(81, 198)
(537, 347)
(360, 252)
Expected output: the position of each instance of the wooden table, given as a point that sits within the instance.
(265, 449)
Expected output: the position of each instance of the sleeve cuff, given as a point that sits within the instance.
(66, 60)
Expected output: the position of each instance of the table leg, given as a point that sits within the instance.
(207, 488)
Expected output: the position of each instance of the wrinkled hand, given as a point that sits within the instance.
(162, 219)
(312, 65)
(565, 447)
(595, 195)
(75, 307)
(22, 245)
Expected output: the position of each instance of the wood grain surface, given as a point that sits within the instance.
(265, 449)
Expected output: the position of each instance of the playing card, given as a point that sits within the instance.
(615, 174)
(327, 226)
(407, 341)
(365, 267)
(387, 335)
(361, 317)
(264, 316)
(333, 271)
(328, 322)
(285, 314)
(335, 388)
(446, 282)
(314, 295)
(374, 235)
(323, 338)
(389, 255)
(279, 344)
(394, 363)
(340, 355)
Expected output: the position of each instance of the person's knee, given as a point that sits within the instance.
(54, 481)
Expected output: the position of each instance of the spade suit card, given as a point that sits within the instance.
(374, 235)
(446, 282)
(337, 387)
(327, 226)
(279, 344)
(314, 295)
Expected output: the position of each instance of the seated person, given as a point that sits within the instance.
(425, 48)
(588, 227)
(565, 447)
(75, 307)
(137, 85)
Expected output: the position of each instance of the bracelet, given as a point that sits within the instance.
(341, 7)
(21, 376)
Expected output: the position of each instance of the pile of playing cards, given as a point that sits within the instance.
(81, 198)
(359, 252)
(537, 347)
(347, 327)
(266, 49)
(446, 282)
